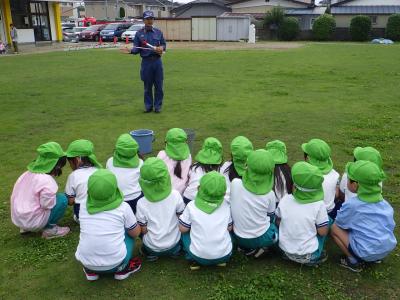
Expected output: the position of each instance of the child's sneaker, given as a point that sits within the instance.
(260, 252)
(55, 232)
(23, 231)
(194, 266)
(345, 263)
(247, 252)
(133, 266)
(90, 275)
(221, 265)
(76, 219)
(151, 258)
(315, 263)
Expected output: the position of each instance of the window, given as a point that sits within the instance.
(20, 14)
(374, 19)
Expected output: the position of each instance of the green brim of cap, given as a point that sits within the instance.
(278, 156)
(42, 165)
(156, 191)
(308, 196)
(207, 207)
(239, 165)
(177, 151)
(125, 162)
(208, 157)
(95, 206)
(259, 185)
(324, 166)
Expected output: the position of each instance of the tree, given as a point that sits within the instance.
(360, 28)
(324, 27)
(289, 29)
(274, 18)
(393, 27)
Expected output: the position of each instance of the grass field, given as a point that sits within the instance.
(347, 94)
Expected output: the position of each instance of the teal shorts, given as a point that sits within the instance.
(170, 252)
(201, 261)
(269, 238)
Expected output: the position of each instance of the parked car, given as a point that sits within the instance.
(131, 31)
(72, 34)
(92, 33)
(114, 30)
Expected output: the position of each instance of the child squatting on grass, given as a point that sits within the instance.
(177, 158)
(270, 203)
(126, 164)
(35, 203)
(83, 162)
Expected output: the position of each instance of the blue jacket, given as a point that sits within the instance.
(153, 37)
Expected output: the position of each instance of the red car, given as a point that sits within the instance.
(92, 33)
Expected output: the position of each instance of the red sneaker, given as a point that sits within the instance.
(133, 266)
(90, 275)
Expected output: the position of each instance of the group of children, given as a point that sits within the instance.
(251, 203)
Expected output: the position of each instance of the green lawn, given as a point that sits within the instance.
(347, 94)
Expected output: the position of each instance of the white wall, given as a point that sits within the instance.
(3, 35)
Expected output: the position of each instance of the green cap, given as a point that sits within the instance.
(369, 154)
(83, 148)
(211, 192)
(210, 153)
(103, 192)
(368, 175)
(241, 147)
(155, 180)
(308, 181)
(319, 154)
(277, 149)
(48, 156)
(126, 152)
(176, 144)
(259, 175)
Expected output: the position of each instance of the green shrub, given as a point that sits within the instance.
(360, 28)
(274, 17)
(393, 27)
(324, 27)
(289, 29)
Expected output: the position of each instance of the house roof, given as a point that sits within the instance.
(133, 2)
(305, 2)
(181, 9)
(257, 16)
(318, 10)
(366, 9)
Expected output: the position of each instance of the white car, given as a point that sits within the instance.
(131, 31)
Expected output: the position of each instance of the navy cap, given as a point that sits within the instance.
(148, 14)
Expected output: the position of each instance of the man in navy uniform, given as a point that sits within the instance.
(151, 45)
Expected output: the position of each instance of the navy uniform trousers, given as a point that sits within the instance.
(152, 74)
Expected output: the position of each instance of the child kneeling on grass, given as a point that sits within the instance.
(253, 205)
(318, 153)
(125, 164)
(83, 162)
(364, 225)
(241, 147)
(205, 224)
(177, 158)
(157, 212)
(107, 230)
(283, 183)
(209, 158)
(302, 217)
(35, 203)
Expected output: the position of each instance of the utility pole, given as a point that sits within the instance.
(106, 9)
(116, 9)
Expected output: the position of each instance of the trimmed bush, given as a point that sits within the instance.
(289, 29)
(324, 27)
(360, 28)
(393, 27)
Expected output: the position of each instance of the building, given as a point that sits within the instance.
(262, 6)
(36, 21)
(201, 8)
(110, 9)
(71, 10)
(378, 10)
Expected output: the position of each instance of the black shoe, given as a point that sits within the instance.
(157, 111)
(147, 111)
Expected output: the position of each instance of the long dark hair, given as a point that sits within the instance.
(178, 169)
(85, 162)
(205, 167)
(57, 170)
(232, 173)
(278, 182)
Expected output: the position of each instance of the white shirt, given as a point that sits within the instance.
(209, 233)
(127, 178)
(299, 222)
(195, 175)
(224, 171)
(77, 184)
(102, 238)
(331, 181)
(250, 212)
(161, 220)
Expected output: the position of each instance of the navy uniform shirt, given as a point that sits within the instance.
(153, 37)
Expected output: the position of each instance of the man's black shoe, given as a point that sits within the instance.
(147, 111)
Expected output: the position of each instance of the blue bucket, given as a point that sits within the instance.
(145, 138)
